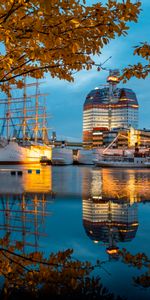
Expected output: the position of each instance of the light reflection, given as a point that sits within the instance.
(23, 204)
(110, 206)
(131, 185)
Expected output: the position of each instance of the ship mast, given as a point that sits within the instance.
(24, 218)
(8, 117)
(44, 123)
(24, 110)
(31, 119)
(36, 112)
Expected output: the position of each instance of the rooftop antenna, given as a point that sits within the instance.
(112, 80)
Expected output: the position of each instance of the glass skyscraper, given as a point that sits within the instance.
(109, 109)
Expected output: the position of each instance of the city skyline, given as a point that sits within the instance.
(65, 100)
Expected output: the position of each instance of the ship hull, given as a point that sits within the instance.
(15, 154)
(62, 156)
(85, 157)
(136, 164)
(128, 166)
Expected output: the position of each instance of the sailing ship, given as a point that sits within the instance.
(23, 138)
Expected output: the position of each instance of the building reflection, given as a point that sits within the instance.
(24, 199)
(131, 185)
(110, 206)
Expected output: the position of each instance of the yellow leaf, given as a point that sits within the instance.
(75, 22)
(75, 47)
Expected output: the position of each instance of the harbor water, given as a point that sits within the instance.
(87, 209)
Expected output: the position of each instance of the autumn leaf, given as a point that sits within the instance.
(60, 37)
(75, 47)
(75, 23)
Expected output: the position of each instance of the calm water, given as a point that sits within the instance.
(90, 210)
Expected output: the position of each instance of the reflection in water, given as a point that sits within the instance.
(130, 185)
(23, 202)
(110, 199)
(110, 205)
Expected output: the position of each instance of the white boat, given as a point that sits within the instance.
(62, 156)
(24, 126)
(112, 161)
(89, 156)
(85, 157)
(123, 158)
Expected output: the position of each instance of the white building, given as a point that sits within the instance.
(109, 108)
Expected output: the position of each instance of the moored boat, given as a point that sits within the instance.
(85, 157)
(62, 156)
(135, 161)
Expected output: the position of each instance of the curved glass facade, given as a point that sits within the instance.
(108, 109)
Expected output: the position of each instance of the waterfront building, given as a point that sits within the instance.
(108, 110)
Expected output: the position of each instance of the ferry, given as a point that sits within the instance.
(111, 161)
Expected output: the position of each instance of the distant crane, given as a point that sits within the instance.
(100, 66)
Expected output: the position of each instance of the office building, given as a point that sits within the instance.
(108, 110)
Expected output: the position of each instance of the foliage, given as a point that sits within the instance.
(32, 275)
(57, 36)
(139, 260)
(138, 70)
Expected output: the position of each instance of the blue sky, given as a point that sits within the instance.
(65, 100)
